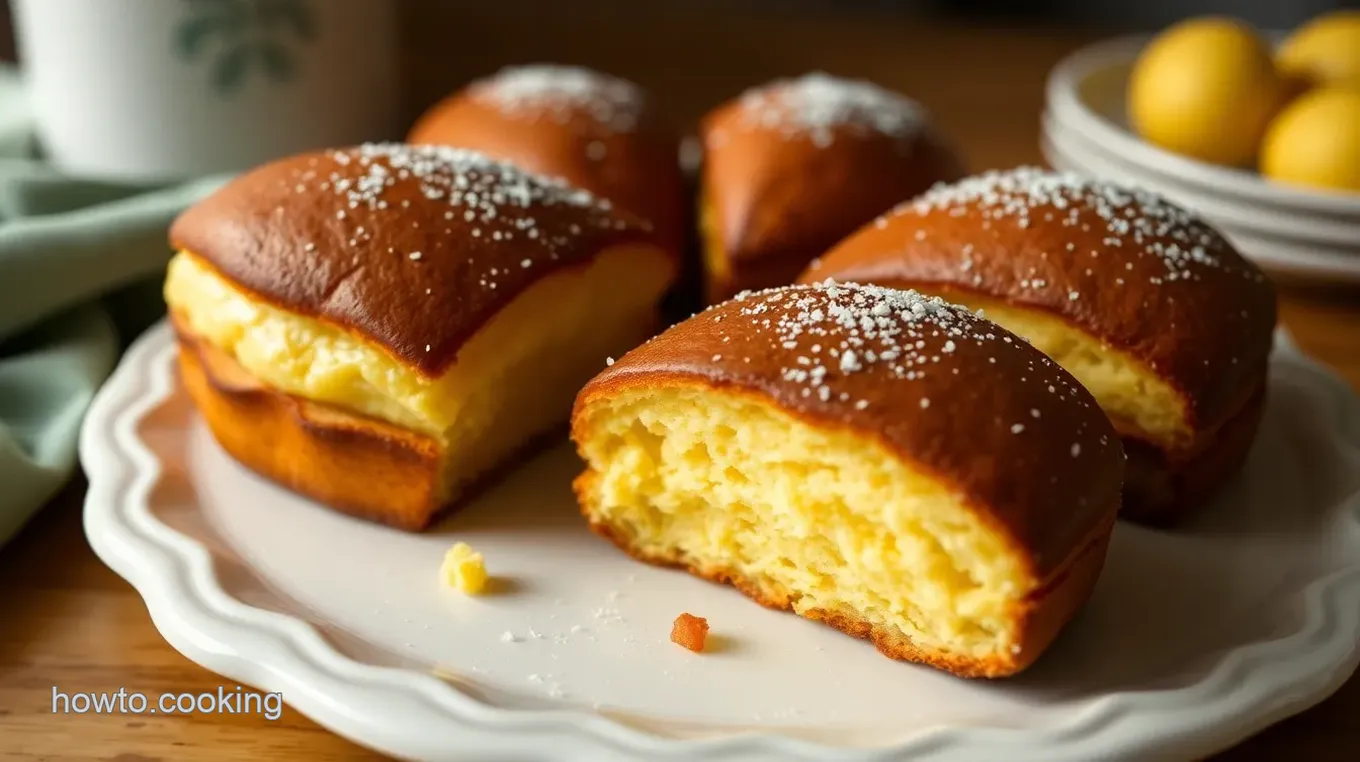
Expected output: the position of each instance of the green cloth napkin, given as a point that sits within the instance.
(80, 269)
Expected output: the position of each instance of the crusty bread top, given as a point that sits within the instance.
(963, 398)
(414, 248)
(794, 166)
(597, 132)
(1129, 267)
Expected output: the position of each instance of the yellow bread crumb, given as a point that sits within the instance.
(724, 483)
(463, 569)
(1133, 396)
(481, 410)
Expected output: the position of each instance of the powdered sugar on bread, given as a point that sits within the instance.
(818, 106)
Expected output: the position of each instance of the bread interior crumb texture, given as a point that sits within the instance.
(514, 379)
(1137, 401)
(826, 520)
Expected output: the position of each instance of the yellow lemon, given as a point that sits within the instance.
(1206, 88)
(1316, 141)
(1325, 51)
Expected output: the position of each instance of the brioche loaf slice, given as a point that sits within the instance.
(1144, 303)
(382, 327)
(884, 462)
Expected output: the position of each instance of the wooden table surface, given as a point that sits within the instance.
(67, 621)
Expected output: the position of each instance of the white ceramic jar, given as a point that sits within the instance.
(168, 89)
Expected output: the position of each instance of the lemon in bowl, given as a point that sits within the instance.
(1206, 88)
(1325, 51)
(1315, 142)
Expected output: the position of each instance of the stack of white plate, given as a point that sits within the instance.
(1285, 229)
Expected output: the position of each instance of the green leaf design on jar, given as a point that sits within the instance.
(241, 39)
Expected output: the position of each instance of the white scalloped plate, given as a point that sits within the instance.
(1193, 640)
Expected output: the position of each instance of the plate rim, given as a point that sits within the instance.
(409, 714)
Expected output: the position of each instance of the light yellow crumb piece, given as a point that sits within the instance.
(463, 569)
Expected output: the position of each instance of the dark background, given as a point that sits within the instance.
(1114, 15)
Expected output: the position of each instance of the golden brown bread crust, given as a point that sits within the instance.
(960, 398)
(1038, 621)
(1160, 487)
(360, 466)
(413, 248)
(1127, 267)
(597, 132)
(779, 191)
(357, 465)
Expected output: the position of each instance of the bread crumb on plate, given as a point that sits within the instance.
(463, 569)
(690, 632)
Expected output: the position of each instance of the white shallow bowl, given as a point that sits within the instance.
(1192, 641)
(1294, 230)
